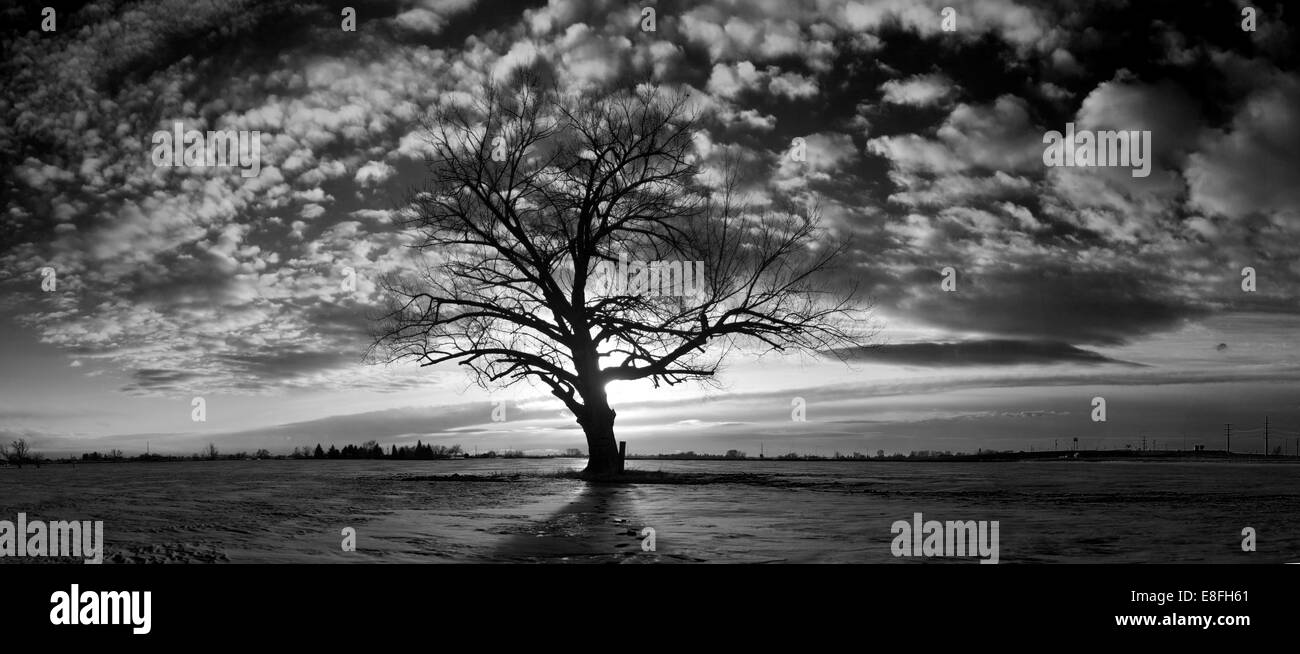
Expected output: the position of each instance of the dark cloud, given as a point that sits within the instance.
(1056, 303)
(154, 380)
(273, 363)
(979, 353)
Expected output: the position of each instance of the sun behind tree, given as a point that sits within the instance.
(567, 236)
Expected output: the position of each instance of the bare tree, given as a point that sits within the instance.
(20, 452)
(211, 453)
(551, 230)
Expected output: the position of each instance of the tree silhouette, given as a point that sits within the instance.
(535, 197)
(19, 452)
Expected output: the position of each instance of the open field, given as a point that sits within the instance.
(294, 511)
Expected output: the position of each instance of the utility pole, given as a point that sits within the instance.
(1265, 435)
(1228, 430)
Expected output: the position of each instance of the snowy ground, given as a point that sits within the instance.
(294, 511)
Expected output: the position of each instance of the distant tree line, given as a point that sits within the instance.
(795, 456)
(373, 450)
(113, 455)
(367, 450)
(419, 451)
(209, 453)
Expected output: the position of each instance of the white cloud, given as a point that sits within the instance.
(730, 81)
(793, 86)
(919, 90)
(1243, 168)
(1022, 25)
(431, 16)
(827, 155)
(1000, 136)
(374, 172)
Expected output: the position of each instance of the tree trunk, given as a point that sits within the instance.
(598, 424)
(596, 417)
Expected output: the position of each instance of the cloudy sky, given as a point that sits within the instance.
(925, 145)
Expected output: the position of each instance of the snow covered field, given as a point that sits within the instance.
(295, 511)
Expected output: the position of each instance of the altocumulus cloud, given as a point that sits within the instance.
(200, 279)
